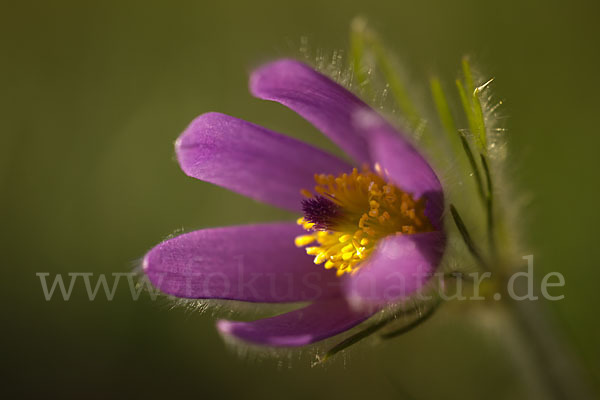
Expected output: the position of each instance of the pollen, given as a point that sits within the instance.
(351, 213)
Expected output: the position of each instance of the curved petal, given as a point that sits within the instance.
(321, 101)
(403, 164)
(400, 266)
(351, 124)
(252, 160)
(301, 327)
(254, 263)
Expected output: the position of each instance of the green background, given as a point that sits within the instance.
(92, 97)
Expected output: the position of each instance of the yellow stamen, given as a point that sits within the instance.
(306, 193)
(370, 209)
(348, 248)
(304, 240)
(345, 238)
(320, 258)
(313, 251)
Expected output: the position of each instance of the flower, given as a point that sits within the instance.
(374, 228)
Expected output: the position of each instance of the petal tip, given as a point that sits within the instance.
(197, 125)
(262, 77)
(224, 326)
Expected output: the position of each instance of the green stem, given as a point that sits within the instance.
(559, 373)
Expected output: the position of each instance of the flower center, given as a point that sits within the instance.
(350, 213)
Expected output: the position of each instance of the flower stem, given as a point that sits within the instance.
(543, 353)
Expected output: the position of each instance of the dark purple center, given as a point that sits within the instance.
(320, 211)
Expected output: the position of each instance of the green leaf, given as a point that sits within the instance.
(467, 107)
(466, 236)
(363, 41)
(357, 337)
(373, 328)
(357, 51)
(472, 105)
(409, 327)
(470, 85)
(441, 104)
(397, 87)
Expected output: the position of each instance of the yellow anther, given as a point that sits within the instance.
(364, 242)
(304, 240)
(329, 264)
(320, 258)
(306, 193)
(347, 256)
(348, 248)
(313, 250)
(345, 238)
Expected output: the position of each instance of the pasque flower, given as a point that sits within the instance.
(372, 229)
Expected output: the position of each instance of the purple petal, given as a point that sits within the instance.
(352, 125)
(400, 266)
(321, 101)
(254, 263)
(252, 160)
(301, 327)
(404, 165)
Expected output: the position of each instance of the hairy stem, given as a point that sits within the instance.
(543, 349)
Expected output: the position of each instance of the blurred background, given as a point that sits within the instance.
(93, 95)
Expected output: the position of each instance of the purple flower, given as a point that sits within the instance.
(375, 230)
